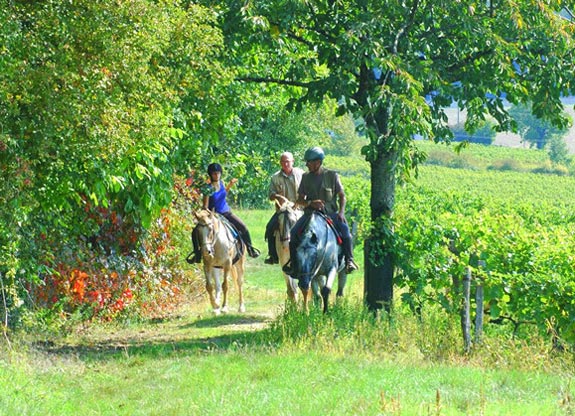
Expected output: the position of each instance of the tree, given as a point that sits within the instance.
(483, 134)
(94, 97)
(396, 65)
(532, 129)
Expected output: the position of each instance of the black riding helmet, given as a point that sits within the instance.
(314, 153)
(214, 167)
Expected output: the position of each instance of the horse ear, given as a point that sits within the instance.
(196, 215)
(278, 205)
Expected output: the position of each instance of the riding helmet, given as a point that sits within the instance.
(214, 167)
(314, 153)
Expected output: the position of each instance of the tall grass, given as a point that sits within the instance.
(345, 363)
(276, 360)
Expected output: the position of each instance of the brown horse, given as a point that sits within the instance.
(287, 217)
(223, 255)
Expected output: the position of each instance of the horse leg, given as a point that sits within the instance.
(317, 284)
(306, 295)
(341, 282)
(325, 291)
(282, 249)
(238, 276)
(212, 282)
(326, 288)
(225, 287)
(291, 285)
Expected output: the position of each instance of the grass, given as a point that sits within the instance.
(273, 360)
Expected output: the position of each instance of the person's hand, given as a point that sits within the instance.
(341, 217)
(233, 181)
(281, 199)
(317, 204)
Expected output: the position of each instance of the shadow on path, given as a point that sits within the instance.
(232, 331)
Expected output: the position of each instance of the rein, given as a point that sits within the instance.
(211, 235)
(283, 230)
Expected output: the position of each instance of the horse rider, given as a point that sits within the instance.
(321, 189)
(214, 199)
(283, 188)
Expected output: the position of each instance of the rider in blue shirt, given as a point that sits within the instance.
(215, 194)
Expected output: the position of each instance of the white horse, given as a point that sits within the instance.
(318, 258)
(222, 255)
(287, 217)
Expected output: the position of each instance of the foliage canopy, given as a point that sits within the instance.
(395, 66)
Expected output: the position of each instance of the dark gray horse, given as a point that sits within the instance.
(317, 257)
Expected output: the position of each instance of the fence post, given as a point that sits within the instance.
(479, 305)
(465, 310)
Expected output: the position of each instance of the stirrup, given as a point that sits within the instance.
(194, 258)
(287, 269)
(253, 252)
(271, 260)
(350, 266)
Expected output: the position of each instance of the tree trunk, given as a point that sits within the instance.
(379, 260)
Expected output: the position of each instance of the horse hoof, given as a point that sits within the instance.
(242, 309)
(217, 312)
(225, 309)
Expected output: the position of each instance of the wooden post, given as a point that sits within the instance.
(465, 311)
(479, 305)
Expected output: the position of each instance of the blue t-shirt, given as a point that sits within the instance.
(217, 201)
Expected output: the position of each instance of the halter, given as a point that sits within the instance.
(281, 229)
(318, 262)
(211, 238)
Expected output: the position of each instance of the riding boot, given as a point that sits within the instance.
(272, 254)
(197, 257)
(271, 226)
(287, 268)
(350, 265)
(252, 251)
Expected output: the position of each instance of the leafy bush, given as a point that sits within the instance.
(506, 164)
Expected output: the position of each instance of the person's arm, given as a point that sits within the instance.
(340, 197)
(206, 201)
(272, 191)
(301, 201)
(231, 183)
(341, 210)
(316, 204)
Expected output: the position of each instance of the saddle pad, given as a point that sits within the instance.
(239, 243)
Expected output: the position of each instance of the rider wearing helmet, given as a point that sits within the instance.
(215, 194)
(321, 189)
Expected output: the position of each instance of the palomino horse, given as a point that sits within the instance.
(287, 217)
(222, 255)
(317, 257)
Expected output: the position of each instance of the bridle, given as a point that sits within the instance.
(284, 227)
(318, 262)
(209, 241)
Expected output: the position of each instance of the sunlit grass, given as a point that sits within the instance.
(275, 360)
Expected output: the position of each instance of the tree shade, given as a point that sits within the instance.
(395, 66)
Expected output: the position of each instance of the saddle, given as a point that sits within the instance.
(329, 222)
(238, 241)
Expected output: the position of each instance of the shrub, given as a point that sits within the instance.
(506, 165)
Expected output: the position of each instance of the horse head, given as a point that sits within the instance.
(287, 217)
(207, 228)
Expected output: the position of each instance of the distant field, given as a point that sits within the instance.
(512, 139)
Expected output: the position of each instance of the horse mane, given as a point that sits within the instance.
(206, 217)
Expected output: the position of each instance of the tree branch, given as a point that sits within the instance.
(405, 26)
(265, 80)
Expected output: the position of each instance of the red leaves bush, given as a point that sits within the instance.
(123, 270)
